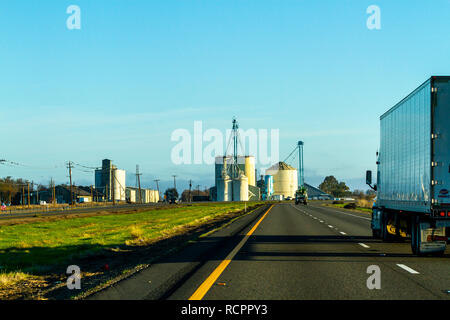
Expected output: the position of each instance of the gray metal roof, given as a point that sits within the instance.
(315, 192)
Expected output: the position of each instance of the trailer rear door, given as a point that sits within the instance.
(441, 142)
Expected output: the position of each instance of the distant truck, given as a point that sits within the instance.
(413, 178)
(301, 196)
(277, 197)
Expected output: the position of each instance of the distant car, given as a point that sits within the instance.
(288, 198)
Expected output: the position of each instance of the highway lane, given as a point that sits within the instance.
(314, 252)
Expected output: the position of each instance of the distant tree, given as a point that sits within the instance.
(332, 186)
(9, 188)
(171, 194)
(358, 194)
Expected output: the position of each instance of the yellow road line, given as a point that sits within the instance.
(208, 283)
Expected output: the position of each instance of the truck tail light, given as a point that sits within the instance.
(437, 238)
(448, 214)
(442, 214)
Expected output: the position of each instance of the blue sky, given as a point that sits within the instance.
(138, 70)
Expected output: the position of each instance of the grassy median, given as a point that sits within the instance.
(361, 205)
(33, 249)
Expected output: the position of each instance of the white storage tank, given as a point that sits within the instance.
(250, 170)
(285, 179)
(240, 188)
(119, 185)
(224, 188)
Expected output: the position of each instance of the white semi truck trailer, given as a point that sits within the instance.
(413, 175)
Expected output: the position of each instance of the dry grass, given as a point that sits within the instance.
(136, 232)
(363, 203)
(137, 236)
(10, 279)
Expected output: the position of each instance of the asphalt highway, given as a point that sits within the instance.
(297, 252)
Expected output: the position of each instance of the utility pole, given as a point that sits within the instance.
(138, 182)
(157, 187)
(52, 186)
(301, 173)
(69, 166)
(190, 186)
(23, 195)
(174, 182)
(198, 189)
(113, 187)
(28, 196)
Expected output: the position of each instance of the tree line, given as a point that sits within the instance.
(339, 189)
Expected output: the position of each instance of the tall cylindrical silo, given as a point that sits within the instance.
(119, 185)
(250, 170)
(223, 188)
(285, 179)
(268, 181)
(240, 188)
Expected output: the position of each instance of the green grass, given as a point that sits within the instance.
(37, 247)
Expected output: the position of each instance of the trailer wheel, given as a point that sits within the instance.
(384, 233)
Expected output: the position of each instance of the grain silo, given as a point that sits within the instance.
(223, 181)
(285, 179)
(250, 170)
(119, 185)
(111, 181)
(268, 182)
(224, 188)
(240, 188)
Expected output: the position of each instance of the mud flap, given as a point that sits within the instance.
(427, 243)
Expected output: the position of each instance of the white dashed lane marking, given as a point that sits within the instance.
(364, 245)
(343, 233)
(404, 267)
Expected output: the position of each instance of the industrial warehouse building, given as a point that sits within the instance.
(62, 194)
(317, 194)
(146, 195)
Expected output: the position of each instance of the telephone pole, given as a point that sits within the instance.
(69, 166)
(113, 187)
(28, 196)
(174, 182)
(157, 187)
(198, 189)
(138, 182)
(190, 186)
